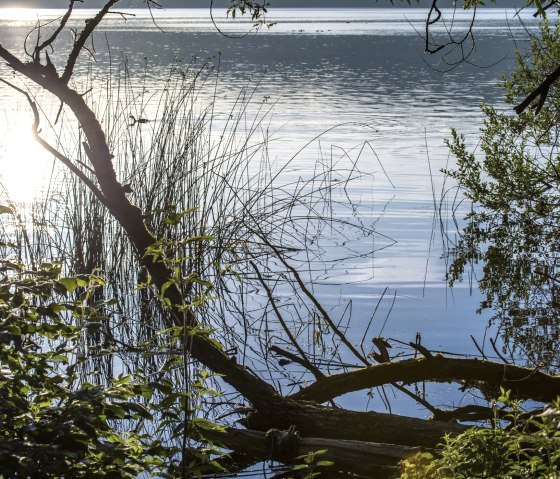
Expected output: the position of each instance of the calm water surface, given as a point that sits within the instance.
(360, 76)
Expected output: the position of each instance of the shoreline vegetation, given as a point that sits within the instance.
(148, 314)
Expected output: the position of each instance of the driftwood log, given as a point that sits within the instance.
(364, 443)
(282, 446)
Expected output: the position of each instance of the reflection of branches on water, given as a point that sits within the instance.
(205, 176)
(517, 270)
(510, 240)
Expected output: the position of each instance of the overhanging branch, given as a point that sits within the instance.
(540, 92)
(80, 42)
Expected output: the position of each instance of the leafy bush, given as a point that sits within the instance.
(528, 448)
(51, 424)
(512, 178)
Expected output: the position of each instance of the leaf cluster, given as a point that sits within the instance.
(528, 448)
(513, 180)
(51, 424)
(55, 424)
(256, 9)
(312, 465)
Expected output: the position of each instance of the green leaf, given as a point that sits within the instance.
(206, 425)
(300, 467)
(69, 283)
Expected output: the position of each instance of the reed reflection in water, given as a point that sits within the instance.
(366, 75)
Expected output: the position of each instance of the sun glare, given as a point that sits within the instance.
(23, 163)
(18, 13)
(20, 16)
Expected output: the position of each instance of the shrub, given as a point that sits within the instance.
(528, 448)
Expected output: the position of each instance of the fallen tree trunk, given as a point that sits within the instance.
(523, 383)
(313, 420)
(367, 459)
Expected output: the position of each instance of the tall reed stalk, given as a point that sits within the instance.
(199, 166)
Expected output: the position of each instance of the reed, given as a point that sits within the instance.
(199, 166)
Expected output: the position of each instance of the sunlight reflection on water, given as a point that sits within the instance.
(321, 69)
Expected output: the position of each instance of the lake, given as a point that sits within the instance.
(349, 89)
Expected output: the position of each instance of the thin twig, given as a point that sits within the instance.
(308, 364)
(80, 42)
(315, 302)
(52, 38)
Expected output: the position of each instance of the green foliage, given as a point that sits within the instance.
(55, 424)
(529, 448)
(513, 182)
(194, 289)
(468, 4)
(418, 466)
(312, 465)
(256, 9)
(50, 424)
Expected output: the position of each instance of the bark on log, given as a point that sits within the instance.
(313, 420)
(523, 383)
(367, 459)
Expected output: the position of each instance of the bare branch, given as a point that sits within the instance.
(524, 383)
(91, 25)
(297, 359)
(424, 351)
(464, 43)
(308, 364)
(430, 21)
(471, 412)
(315, 302)
(53, 37)
(52, 150)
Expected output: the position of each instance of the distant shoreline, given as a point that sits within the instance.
(274, 4)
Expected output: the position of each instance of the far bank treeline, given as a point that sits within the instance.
(107, 374)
